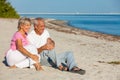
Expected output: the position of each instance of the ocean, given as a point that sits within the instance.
(107, 24)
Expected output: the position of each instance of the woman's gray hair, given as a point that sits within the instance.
(24, 21)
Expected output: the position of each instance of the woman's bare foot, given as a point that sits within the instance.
(12, 67)
(38, 66)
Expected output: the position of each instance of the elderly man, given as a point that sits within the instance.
(40, 38)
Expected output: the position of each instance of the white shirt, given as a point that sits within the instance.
(38, 40)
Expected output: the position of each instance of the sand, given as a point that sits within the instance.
(92, 52)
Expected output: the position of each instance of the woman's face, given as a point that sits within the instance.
(26, 28)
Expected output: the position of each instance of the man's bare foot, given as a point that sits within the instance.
(38, 66)
(62, 68)
(12, 67)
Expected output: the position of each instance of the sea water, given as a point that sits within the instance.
(108, 24)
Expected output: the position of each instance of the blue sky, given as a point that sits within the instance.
(66, 6)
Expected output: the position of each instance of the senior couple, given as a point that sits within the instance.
(37, 48)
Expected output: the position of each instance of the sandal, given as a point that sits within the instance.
(78, 70)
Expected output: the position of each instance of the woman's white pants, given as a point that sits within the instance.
(14, 57)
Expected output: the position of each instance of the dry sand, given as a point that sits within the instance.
(91, 53)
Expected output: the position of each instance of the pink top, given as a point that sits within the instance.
(16, 36)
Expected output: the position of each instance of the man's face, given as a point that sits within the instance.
(40, 27)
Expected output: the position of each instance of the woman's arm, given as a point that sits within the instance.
(20, 48)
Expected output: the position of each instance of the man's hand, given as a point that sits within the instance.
(48, 46)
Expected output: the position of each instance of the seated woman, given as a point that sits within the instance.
(21, 54)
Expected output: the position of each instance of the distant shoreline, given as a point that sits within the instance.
(62, 26)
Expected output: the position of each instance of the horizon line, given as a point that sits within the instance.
(72, 13)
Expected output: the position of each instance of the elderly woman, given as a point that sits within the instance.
(21, 54)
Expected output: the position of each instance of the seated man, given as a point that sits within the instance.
(40, 38)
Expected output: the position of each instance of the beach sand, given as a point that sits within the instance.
(96, 53)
